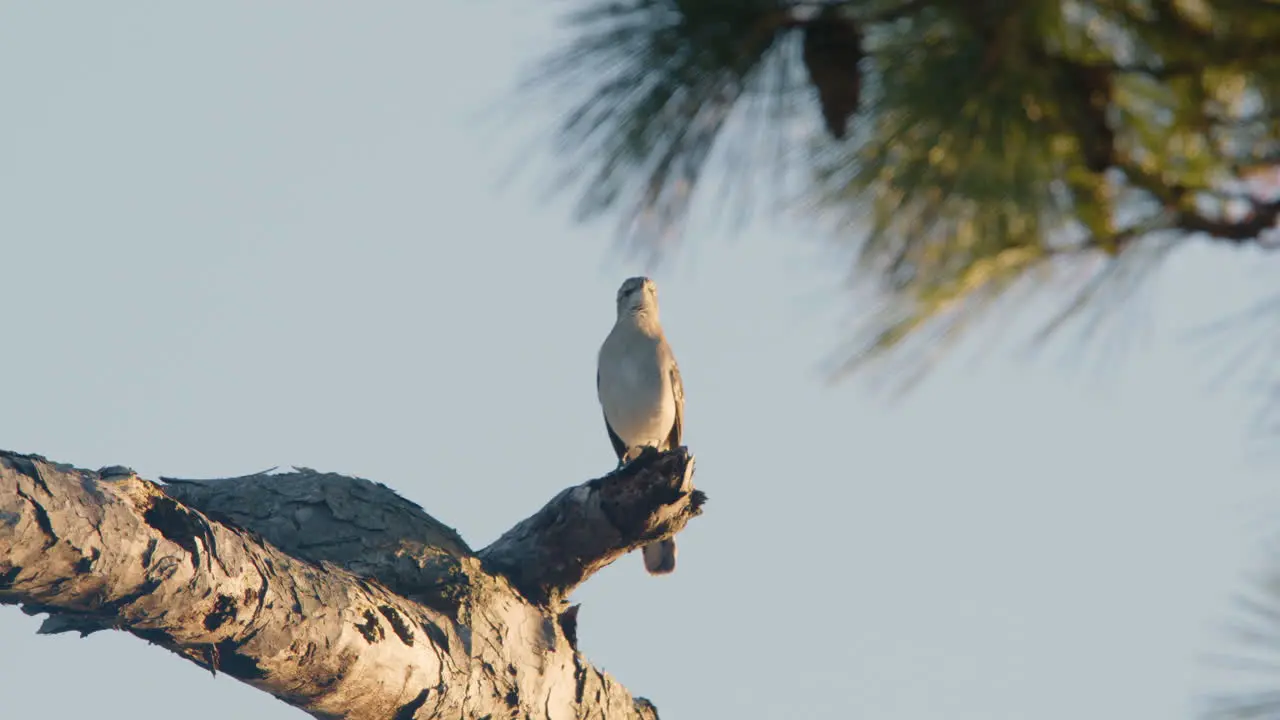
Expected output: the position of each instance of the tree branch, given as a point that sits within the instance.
(1262, 216)
(333, 594)
(361, 526)
(586, 528)
(1182, 215)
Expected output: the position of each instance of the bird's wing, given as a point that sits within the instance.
(619, 447)
(677, 392)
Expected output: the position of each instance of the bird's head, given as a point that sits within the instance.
(638, 295)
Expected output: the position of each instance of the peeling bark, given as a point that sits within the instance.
(332, 593)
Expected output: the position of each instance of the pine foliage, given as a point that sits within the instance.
(968, 144)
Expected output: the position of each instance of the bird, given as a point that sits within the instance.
(640, 391)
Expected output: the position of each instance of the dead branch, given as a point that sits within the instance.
(589, 526)
(334, 594)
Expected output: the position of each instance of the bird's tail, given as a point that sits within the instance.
(660, 557)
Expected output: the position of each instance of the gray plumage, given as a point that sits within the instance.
(638, 383)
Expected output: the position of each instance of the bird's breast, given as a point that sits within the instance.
(636, 397)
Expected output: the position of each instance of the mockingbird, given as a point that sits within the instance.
(640, 391)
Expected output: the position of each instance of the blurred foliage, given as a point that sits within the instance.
(1247, 670)
(966, 145)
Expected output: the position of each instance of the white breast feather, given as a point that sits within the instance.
(635, 392)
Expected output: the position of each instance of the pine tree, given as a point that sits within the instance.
(971, 146)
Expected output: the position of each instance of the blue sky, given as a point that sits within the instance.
(242, 235)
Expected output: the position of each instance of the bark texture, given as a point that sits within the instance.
(333, 593)
(589, 526)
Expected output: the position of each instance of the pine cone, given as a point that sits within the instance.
(832, 50)
(1086, 97)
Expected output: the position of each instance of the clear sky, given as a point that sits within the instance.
(237, 235)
